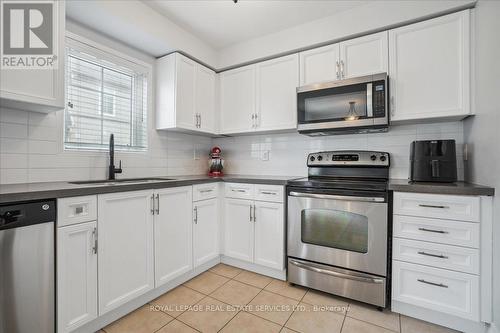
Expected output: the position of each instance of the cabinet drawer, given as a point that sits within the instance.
(436, 289)
(452, 207)
(205, 191)
(239, 190)
(451, 257)
(438, 231)
(76, 210)
(273, 193)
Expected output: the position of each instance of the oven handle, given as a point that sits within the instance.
(310, 267)
(336, 197)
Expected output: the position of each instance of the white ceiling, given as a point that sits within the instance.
(221, 23)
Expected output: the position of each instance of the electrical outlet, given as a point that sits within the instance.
(264, 155)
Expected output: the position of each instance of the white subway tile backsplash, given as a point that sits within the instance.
(15, 146)
(13, 161)
(13, 116)
(11, 130)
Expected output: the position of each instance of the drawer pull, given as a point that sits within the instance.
(433, 206)
(267, 192)
(236, 190)
(432, 255)
(432, 230)
(433, 283)
(206, 191)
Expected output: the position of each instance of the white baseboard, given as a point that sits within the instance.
(126, 308)
(277, 274)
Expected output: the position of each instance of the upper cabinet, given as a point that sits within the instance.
(260, 97)
(429, 69)
(185, 95)
(40, 90)
(355, 57)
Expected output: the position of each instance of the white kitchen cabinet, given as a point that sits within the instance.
(126, 265)
(364, 55)
(238, 229)
(319, 65)
(206, 231)
(269, 234)
(76, 275)
(238, 100)
(172, 233)
(277, 81)
(351, 58)
(40, 90)
(429, 69)
(185, 93)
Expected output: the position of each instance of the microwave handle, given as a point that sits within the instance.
(369, 100)
(336, 197)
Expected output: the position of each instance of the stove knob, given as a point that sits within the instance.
(373, 157)
(383, 158)
(312, 159)
(320, 158)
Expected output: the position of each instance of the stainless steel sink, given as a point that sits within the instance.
(121, 181)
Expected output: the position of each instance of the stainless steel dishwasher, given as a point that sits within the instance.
(27, 293)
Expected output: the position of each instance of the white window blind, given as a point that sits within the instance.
(105, 95)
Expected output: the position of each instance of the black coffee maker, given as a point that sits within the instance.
(433, 161)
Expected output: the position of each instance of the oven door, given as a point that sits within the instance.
(342, 230)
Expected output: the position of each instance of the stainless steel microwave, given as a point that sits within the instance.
(356, 105)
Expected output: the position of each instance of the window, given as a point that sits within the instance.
(105, 95)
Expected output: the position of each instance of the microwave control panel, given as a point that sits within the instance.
(379, 95)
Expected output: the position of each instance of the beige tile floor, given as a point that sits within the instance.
(228, 299)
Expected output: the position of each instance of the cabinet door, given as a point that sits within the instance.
(277, 81)
(429, 68)
(319, 65)
(205, 98)
(185, 92)
(76, 276)
(237, 99)
(125, 247)
(364, 55)
(269, 234)
(239, 229)
(173, 233)
(40, 90)
(206, 231)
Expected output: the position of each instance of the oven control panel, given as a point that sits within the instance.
(349, 158)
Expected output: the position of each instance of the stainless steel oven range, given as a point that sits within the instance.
(338, 225)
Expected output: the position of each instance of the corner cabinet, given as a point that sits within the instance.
(40, 90)
(429, 69)
(185, 93)
(126, 265)
(355, 57)
(260, 97)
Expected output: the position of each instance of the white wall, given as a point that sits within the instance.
(31, 148)
(288, 152)
(482, 132)
(346, 24)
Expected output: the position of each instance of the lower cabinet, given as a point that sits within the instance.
(173, 232)
(126, 267)
(269, 234)
(76, 275)
(205, 231)
(238, 229)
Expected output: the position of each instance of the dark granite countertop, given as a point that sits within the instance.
(53, 190)
(457, 188)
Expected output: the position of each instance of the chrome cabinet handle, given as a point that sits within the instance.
(432, 230)
(253, 120)
(254, 214)
(236, 190)
(199, 115)
(336, 197)
(94, 235)
(157, 204)
(337, 67)
(342, 68)
(312, 267)
(195, 214)
(433, 206)
(206, 191)
(152, 204)
(432, 255)
(256, 121)
(251, 217)
(267, 192)
(432, 283)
